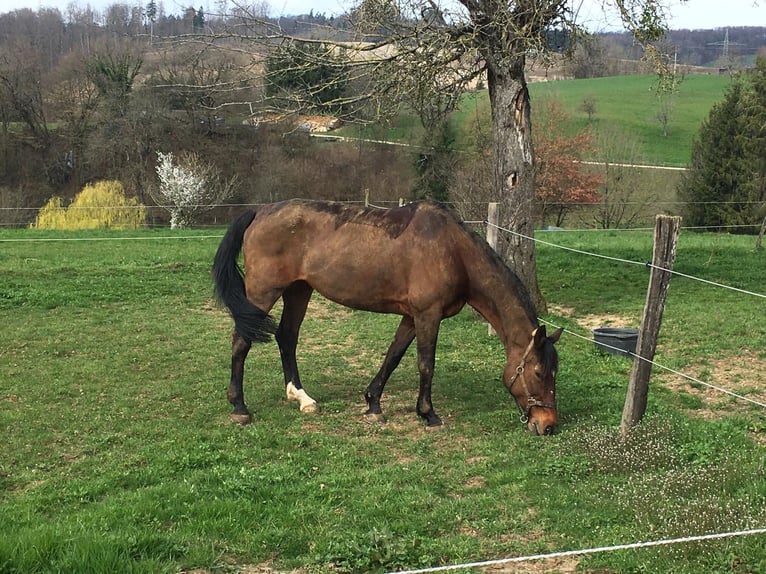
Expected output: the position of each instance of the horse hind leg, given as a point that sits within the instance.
(403, 337)
(296, 299)
(239, 350)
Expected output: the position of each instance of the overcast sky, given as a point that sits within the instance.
(693, 14)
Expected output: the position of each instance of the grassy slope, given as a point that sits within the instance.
(118, 454)
(623, 103)
(630, 104)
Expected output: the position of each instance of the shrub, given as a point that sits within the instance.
(99, 206)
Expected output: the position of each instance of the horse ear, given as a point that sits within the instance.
(556, 334)
(539, 336)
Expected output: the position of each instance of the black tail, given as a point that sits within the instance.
(250, 322)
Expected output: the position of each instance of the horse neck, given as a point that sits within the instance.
(494, 295)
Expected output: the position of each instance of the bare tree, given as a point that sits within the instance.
(626, 192)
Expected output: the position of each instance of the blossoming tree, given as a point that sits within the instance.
(189, 187)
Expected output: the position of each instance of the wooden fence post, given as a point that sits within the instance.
(666, 230)
(492, 221)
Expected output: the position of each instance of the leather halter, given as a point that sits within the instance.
(531, 401)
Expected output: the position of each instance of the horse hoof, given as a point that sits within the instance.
(310, 408)
(434, 423)
(379, 418)
(242, 419)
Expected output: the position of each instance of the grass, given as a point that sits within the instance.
(118, 454)
(623, 104)
(630, 104)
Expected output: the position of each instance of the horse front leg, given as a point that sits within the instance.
(296, 299)
(427, 332)
(403, 337)
(239, 350)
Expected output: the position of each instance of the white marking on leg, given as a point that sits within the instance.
(307, 404)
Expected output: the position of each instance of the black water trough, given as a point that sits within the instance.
(616, 340)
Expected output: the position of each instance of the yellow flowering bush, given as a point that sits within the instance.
(102, 205)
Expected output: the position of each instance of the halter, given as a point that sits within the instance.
(531, 401)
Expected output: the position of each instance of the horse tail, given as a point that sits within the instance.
(250, 322)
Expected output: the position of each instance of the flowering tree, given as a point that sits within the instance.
(189, 187)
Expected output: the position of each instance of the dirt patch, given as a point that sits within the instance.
(311, 124)
(593, 321)
(549, 566)
(263, 568)
(744, 375)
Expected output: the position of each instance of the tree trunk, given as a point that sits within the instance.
(514, 170)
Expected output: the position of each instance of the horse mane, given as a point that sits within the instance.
(508, 274)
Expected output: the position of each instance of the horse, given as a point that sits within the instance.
(418, 261)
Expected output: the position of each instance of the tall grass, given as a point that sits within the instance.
(118, 454)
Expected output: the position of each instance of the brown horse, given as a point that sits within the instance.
(418, 261)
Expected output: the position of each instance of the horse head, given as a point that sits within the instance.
(532, 382)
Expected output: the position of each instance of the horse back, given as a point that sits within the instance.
(366, 258)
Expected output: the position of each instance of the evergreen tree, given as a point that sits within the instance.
(198, 22)
(726, 181)
(307, 72)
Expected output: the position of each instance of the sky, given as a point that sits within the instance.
(693, 14)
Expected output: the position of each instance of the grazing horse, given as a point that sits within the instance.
(418, 261)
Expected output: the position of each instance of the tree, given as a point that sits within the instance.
(189, 187)
(200, 82)
(151, 17)
(726, 181)
(667, 93)
(588, 106)
(113, 73)
(102, 205)
(307, 70)
(435, 162)
(22, 89)
(198, 21)
(626, 190)
(563, 181)
(479, 38)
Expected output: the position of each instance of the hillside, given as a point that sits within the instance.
(630, 105)
(623, 105)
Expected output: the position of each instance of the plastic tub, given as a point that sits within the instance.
(616, 340)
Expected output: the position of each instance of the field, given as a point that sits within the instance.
(623, 104)
(118, 455)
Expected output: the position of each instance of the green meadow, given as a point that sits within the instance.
(118, 454)
(624, 105)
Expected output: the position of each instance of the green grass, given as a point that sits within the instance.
(624, 104)
(118, 455)
(630, 104)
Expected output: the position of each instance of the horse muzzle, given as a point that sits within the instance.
(542, 421)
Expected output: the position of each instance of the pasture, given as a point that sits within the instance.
(118, 454)
(626, 110)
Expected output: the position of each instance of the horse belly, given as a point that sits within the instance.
(360, 284)
(384, 278)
